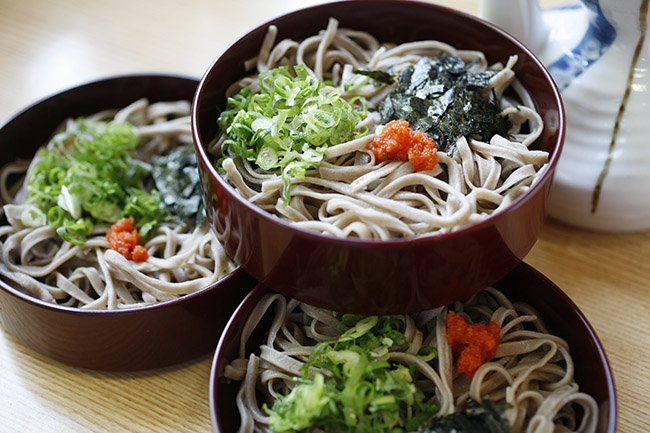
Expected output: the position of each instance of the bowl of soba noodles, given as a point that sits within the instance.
(518, 356)
(377, 156)
(106, 259)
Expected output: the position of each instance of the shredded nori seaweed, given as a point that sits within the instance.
(487, 417)
(443, 98)
(381, 77)
(177, 179)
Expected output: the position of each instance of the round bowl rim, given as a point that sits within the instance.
(8, 286)
(608, 377)
(201, 152)
(593, 336)
(92, 82)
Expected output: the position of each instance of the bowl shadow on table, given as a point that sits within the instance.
(176, 396)
(523, 284)
(18, 350)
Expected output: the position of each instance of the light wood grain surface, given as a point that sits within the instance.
(49, 45)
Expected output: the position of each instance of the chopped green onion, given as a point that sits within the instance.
(427, 353)
(88, 176)
(69, 202)
(33, 217)
(362, 392)
(289, 124)
(75, 233)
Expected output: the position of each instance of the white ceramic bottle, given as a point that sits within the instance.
(598, 52)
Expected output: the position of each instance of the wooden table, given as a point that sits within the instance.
(49, 45)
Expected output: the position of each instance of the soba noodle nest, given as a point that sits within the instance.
(182, 259)
(351, 195)
(532, 370)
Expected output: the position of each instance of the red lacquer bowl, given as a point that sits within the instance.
(563, 318)
(396, 276)
(118, 340)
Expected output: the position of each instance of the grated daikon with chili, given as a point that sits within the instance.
(471, 345)
(124, 238)
(397, 141)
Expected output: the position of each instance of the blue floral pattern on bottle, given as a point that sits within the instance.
(599, 36)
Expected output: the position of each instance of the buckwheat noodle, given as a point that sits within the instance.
(532, 371)
(349, 194)
(182, 259)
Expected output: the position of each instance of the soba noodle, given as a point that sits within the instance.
(532, 370)
(349, 194)
(182, 258)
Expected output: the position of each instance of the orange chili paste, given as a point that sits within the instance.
(471, 345)
(399, 142)
(125, 239)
